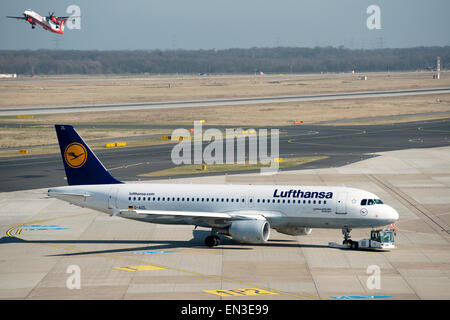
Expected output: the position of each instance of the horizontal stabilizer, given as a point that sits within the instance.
(51, 193)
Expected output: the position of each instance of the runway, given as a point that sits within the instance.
(218, 102)
(341, 144)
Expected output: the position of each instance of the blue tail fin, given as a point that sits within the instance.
(81, 164)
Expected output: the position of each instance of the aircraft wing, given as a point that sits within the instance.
(67, 18)
(20, 18)
(210, 219)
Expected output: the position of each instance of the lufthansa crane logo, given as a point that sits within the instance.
(75, 155)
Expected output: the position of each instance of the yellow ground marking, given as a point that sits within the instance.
(239, 292)
(122, 258)
(139, 268)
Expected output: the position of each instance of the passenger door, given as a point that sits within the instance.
(112, 198)
(341, 203)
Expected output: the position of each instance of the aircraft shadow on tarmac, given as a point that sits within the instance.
(197, 241)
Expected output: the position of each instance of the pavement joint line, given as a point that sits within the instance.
(300, 249)
(406, 279)
(412, 203)
(421, 218)
(110, 256)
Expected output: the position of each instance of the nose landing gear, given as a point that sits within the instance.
(347, 241)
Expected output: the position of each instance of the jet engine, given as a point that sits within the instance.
(295, 231)
(248, 231)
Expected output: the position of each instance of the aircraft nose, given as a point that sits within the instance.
(392, 214)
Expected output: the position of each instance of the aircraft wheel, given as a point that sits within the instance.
(354, 245)
(210, 241)
(216, 240)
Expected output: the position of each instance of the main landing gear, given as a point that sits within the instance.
(347, 241)
(212, 241)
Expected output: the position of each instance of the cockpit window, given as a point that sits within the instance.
(370, 202)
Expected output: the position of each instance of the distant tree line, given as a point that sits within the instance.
(268, 60)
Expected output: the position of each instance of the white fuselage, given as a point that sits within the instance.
(284, 207)
(47, 24)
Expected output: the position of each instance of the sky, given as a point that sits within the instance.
(215, 24)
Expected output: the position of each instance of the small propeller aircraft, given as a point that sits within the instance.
(51, 22)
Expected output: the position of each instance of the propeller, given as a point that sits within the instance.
(51, 16)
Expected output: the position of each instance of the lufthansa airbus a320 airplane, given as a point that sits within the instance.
(246, 213)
